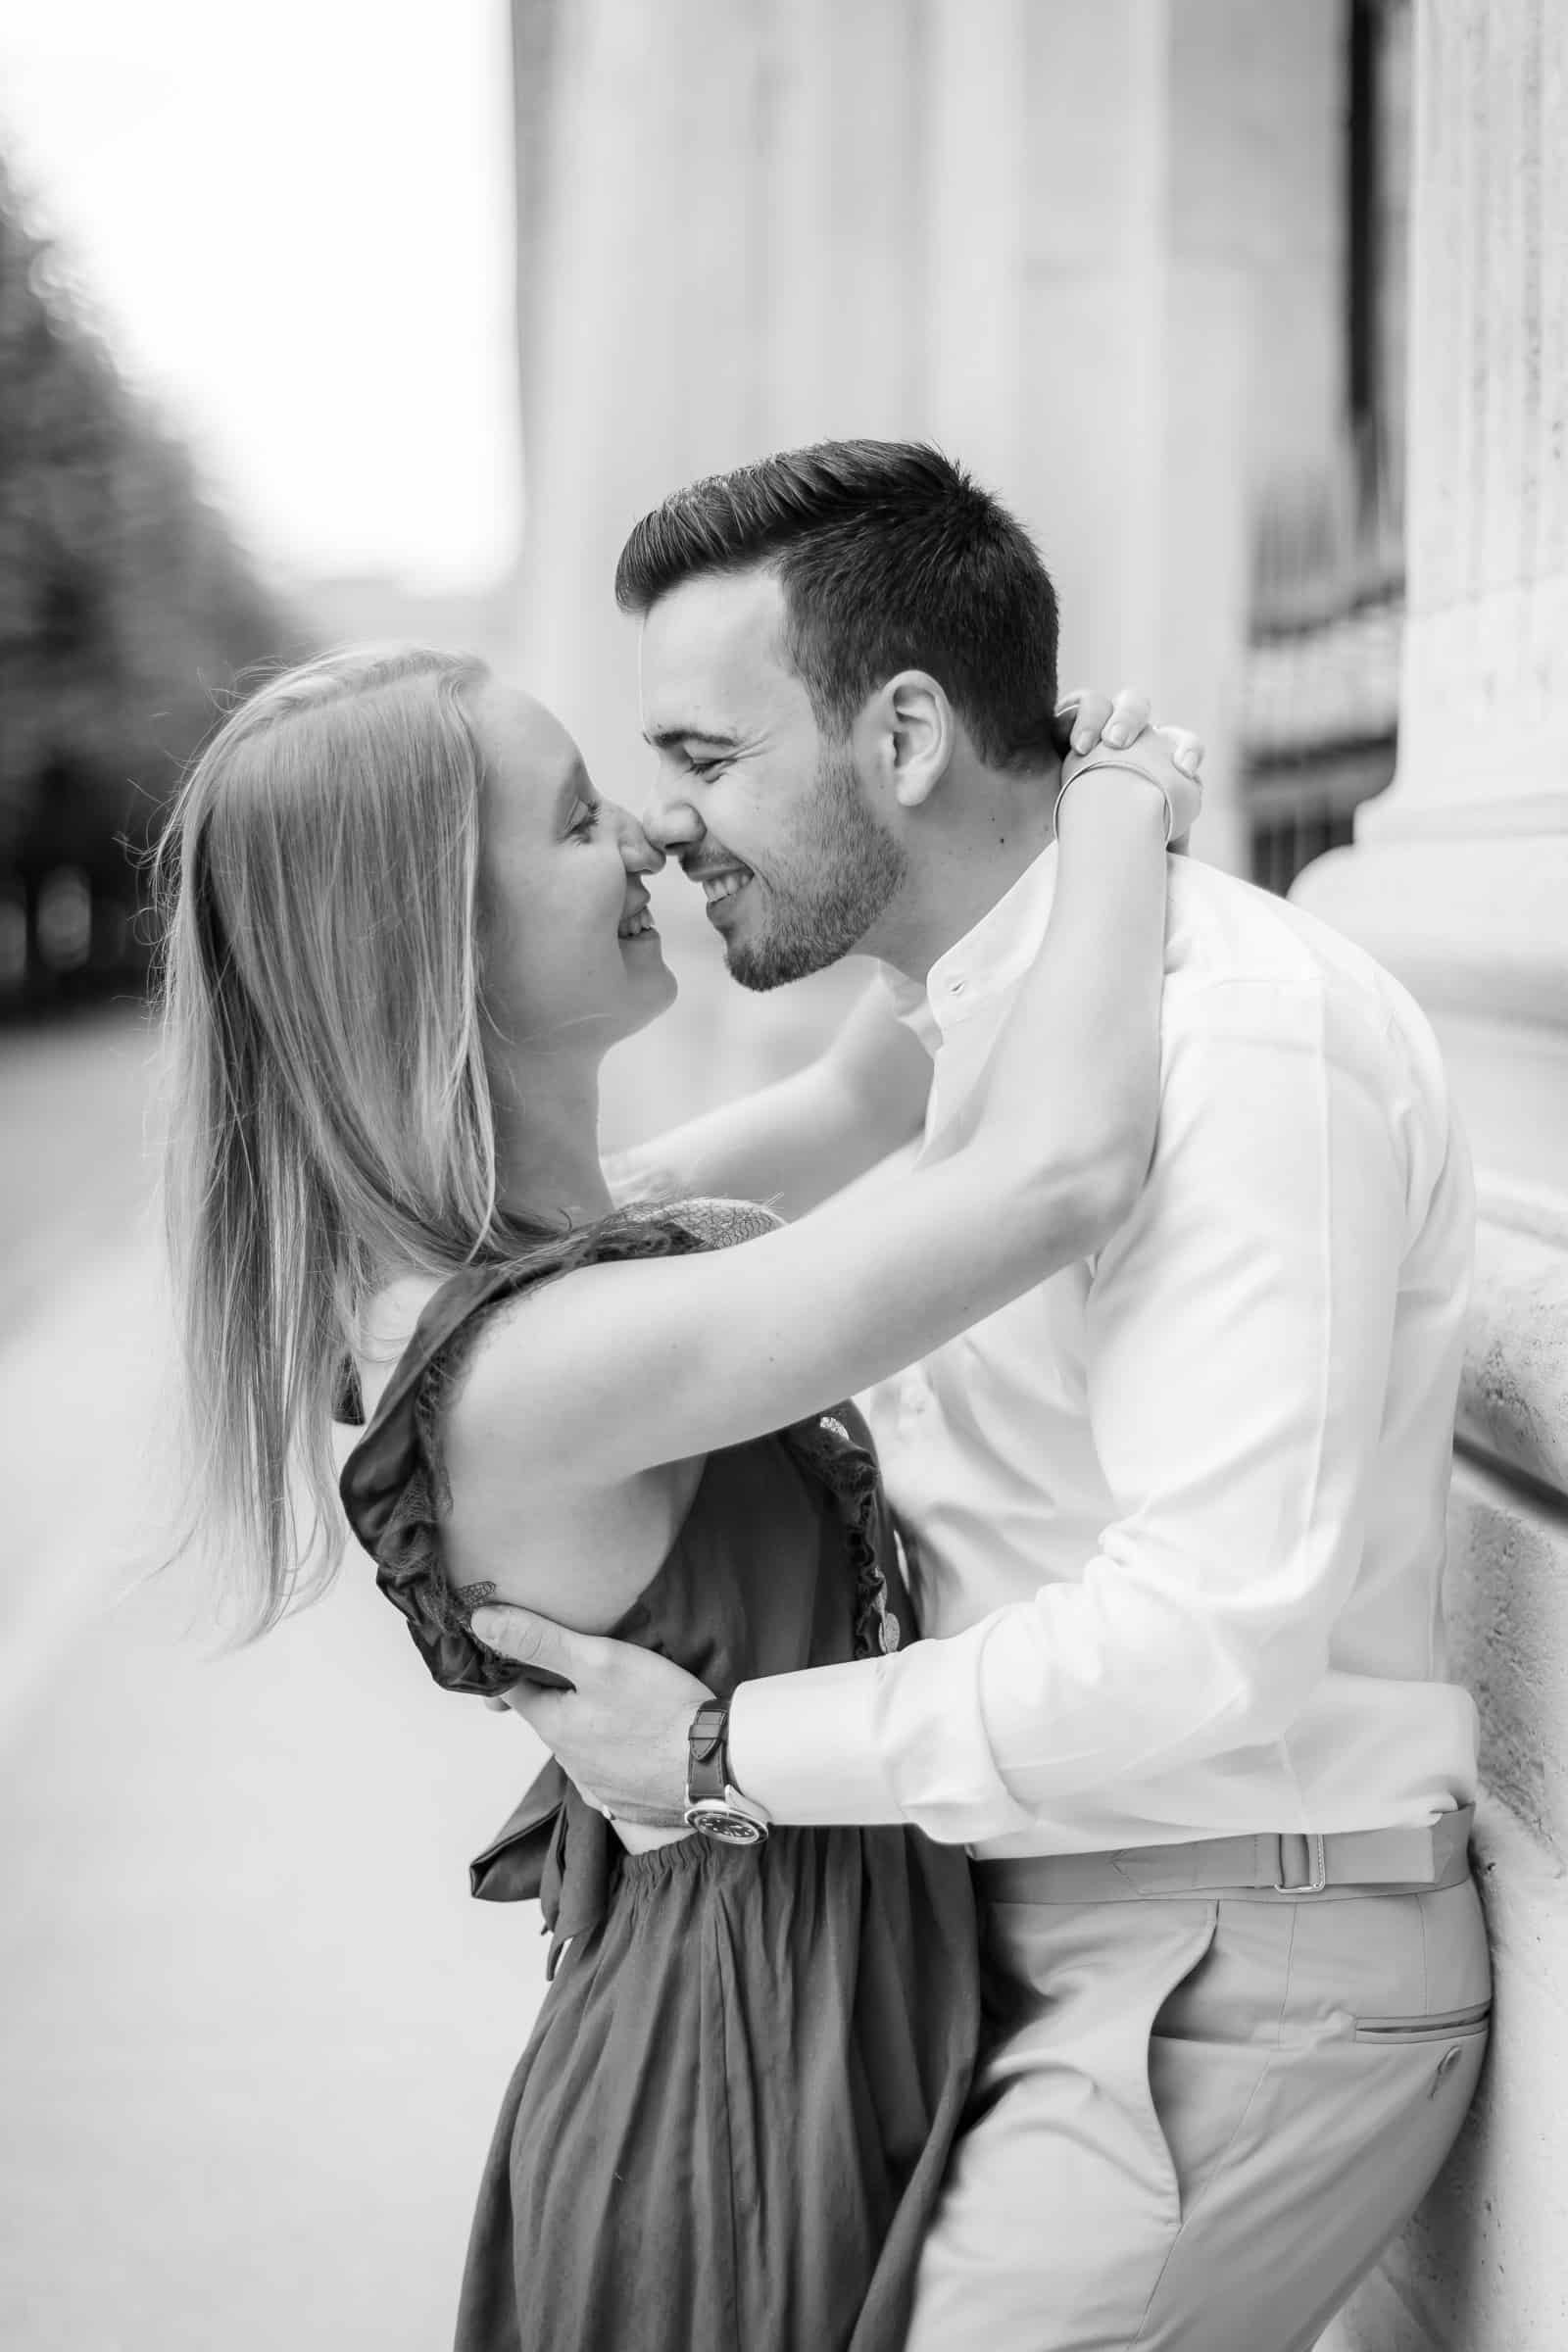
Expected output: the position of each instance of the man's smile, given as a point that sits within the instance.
(719, 883)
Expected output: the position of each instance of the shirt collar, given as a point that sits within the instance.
(993, 956)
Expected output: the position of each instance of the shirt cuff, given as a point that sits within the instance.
(901, 1738)
(803, 1745)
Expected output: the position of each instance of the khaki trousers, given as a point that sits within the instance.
(1199, 2118)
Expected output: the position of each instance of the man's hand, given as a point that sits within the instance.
(619, 1732)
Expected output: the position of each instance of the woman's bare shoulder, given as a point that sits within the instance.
(523, 1411)
(523, 1511)
(491, 1405)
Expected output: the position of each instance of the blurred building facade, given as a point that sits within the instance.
(1146, 266)
(1320, 683)
(1138, 263)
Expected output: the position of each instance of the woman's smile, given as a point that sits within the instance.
(638, 925)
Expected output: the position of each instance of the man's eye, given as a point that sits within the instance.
(705, 768)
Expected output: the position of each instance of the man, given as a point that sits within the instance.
(1176, 1517)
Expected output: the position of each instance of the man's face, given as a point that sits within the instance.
(771, 818)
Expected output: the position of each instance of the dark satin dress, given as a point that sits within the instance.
(729, 2126)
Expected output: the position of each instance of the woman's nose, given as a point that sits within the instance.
(638, 854)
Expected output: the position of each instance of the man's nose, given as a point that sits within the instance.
(671, 824)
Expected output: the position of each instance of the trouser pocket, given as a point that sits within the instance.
(1075, 1992)
(1451, 2025)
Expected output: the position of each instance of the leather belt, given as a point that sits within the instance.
(1287, 1863)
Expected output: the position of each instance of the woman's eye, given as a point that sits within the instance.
(586, 822)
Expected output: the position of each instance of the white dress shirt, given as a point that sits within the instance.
(1178, 1513)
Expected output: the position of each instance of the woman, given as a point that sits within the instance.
(404, 931)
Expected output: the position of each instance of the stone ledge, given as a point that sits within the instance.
(1475, 928)
(1506, 1599)
(1513, 1394)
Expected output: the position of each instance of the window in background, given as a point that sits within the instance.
(1321, 691)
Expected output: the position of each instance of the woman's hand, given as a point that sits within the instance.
(1090, 723)
(1153, 756)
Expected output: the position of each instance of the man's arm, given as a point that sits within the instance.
(794, 1143)
(1238, 1331)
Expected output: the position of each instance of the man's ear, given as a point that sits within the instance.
(914, 735)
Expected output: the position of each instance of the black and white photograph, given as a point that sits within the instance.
(784, 1176)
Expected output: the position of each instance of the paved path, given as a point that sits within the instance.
(253, 2031)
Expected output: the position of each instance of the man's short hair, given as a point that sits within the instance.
(889, 558)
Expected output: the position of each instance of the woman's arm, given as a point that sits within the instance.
(797, 1142)
(621, 1367)
(806, 1136)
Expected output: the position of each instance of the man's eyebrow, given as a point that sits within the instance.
(667, 739)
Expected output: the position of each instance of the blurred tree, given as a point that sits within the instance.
(128, 609)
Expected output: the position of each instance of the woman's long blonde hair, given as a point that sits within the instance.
(330, 1114)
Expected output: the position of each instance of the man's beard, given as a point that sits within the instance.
(850, 868)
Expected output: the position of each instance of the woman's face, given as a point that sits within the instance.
(571, 959)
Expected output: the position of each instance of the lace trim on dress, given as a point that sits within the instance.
(431, 1399)
(719, 1224)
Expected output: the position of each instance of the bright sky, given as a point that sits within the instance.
(295, 224)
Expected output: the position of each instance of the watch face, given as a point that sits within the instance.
(714, 1820)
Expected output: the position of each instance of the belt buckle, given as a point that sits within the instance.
(1318, 1860)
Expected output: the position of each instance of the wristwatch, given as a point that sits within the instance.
(712, 1805)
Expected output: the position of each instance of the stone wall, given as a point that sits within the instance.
(1458, 881)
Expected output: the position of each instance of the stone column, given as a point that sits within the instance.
(1458, 881)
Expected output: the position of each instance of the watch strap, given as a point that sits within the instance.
(713, 1805)
(707, 1755)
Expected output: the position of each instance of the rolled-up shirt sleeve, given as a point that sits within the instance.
(1238, 1329)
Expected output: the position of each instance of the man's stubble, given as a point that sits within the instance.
(846, 869)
